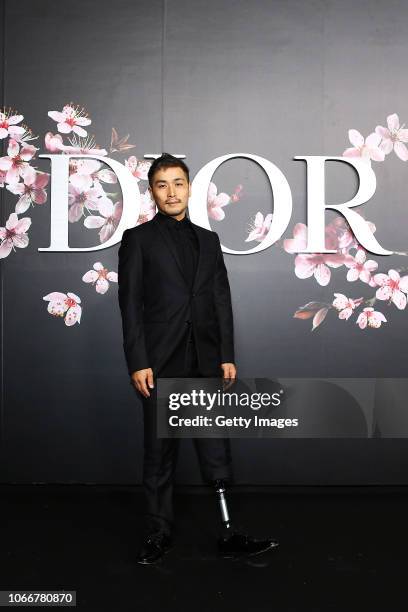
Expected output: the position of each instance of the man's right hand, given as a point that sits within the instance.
(142, 379)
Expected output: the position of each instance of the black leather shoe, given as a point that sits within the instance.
(154, 547)
(241, 545)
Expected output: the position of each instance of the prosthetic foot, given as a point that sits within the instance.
(234, 544)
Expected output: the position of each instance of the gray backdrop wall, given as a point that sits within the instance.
(272, 78)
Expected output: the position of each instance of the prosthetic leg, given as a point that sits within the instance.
(220, 489)
(233, 544)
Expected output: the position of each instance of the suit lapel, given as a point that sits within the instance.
(170, 245)
(200, 254)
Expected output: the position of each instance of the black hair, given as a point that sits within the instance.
(167, 161)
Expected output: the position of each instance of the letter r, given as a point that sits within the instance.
(316, 205)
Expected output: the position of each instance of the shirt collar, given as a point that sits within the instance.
(162, 217)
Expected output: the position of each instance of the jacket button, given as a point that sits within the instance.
(193, 295)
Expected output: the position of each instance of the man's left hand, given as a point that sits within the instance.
(229, 374)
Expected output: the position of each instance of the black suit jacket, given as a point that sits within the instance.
(156, 302)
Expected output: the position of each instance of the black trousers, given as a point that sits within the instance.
(160, 454)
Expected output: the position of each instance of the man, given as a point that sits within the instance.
(177, 321)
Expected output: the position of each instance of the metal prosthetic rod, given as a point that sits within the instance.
(220, 490)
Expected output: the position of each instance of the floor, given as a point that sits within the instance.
(340, 549)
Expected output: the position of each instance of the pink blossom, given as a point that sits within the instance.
(101, 277)
(14, 234)
(8, 125)
(392, 287)
(84, 172)
(366, 149)
(316, 265)
(70, 120)
(61, 303)
(138, 168)
(31, 190)
(16, 162)
(360, 268)
(25, 136)
(80, 198)
(53, 142)
(109, 220)
(260, 227)
(216, 202)
(148, 208)
(345, 305)
(106, 176)
(370, 317)
(393, 137)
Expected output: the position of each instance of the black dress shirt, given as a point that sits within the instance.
(185, 240)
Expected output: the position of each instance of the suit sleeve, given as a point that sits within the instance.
(223, 307)
(130, 294)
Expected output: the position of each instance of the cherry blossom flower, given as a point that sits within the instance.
(359, 268)
(84, 172)
(317, 265)
(61, 304)
(100, 277)
(106, 176)
(216, 202)
(14, 234)
(8, 125)
(370, 317)
(260, 227)
(53, 142)
(393, 137)
(392, 287)
(81, 172)
(25, 136)
(109, 220)
(148, 208)
(366, 149)
(16, 162)
(138, 168)
(345, 305)
(70, 120)
(31, 191)
(3, 175)
(314, 264)
(80, 198)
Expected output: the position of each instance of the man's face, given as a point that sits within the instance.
(170, 191)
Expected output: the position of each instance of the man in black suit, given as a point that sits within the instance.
(177, 318)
